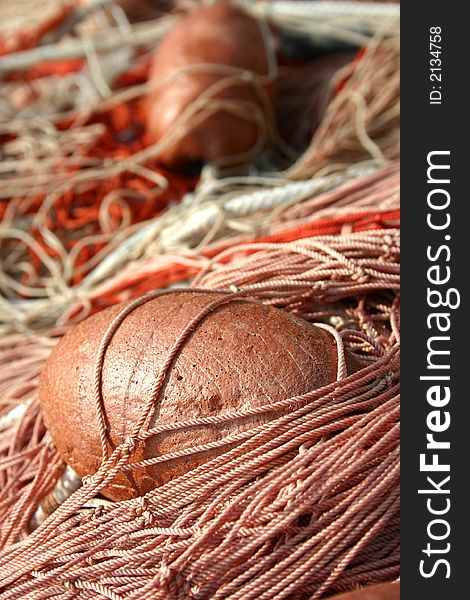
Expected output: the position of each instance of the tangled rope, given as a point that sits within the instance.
(84, 196)
(318, 486)
(363, 119)
(300, 507)
(169, 248)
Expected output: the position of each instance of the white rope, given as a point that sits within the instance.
(142, 34)
(330, 9)
(200, 220)
(186, 223)
(350, 22)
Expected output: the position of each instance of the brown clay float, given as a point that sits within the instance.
(243, 354)
(211, 87)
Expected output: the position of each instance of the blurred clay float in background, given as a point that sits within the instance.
(241, 356)
(212, 82)
(382, 591)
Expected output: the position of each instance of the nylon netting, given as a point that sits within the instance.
(304, 504)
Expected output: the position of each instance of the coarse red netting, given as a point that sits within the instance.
(172, 248)
(83, 193)
(366, 203)
(303, 505)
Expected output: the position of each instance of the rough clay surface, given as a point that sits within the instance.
(243, 355)
(218, 34)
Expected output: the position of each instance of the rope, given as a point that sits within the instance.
(306, 502)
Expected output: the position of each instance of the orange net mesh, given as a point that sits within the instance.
(303, 506)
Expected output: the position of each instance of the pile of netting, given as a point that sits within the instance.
(304, 506)
(82, 193)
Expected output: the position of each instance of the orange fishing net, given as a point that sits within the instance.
(303, 506)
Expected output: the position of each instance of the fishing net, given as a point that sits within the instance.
(305, 505)
(317, 487)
